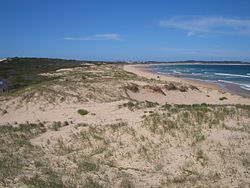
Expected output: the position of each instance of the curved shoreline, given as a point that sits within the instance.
(143, 70)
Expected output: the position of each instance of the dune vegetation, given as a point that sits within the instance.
(96, 125)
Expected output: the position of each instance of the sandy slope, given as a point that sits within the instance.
(36, 105)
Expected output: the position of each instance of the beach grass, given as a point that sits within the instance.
(97, 147)
(125, 140)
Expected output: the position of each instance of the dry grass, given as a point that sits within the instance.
(182, 88)
(170, 86)
(154, 88)
(132, 87)
(175, 146)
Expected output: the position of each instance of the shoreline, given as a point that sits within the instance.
(143, 70)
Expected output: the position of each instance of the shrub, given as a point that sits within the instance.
(150, 104)
(132, 87)
(193, 87)
(166, 106)
(82, 112)
(223, 98)
(156, 89)
(130, 104)
(126, 183)
(4, 112)
(56, 125)
(183, 89)
(87, 166)
(170, 86)
(66, 123)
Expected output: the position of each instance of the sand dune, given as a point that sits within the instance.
(138, 131)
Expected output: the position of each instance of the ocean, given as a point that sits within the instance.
(230, 77)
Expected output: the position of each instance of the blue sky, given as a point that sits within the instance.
(160, 30)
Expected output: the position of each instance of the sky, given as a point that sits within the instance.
(118, 30)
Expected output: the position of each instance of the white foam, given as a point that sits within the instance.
(196, 74)
(209, 81)
(243, 86)
(229, 82)
(246, 88)
(232, 75)
(167, 73)
(176, 72)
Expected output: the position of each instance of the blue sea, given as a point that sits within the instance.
(230, 77)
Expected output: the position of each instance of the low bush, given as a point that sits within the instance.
(183, 88)
(156, 89)
(223, 98)
(82, 112)
(192, 87)
(170, 86)
(132, 87)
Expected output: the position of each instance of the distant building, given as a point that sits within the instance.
(3, 86)
(3, 59)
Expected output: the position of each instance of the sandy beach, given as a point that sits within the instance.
(208, 93)
(143, 70)
(227, 86)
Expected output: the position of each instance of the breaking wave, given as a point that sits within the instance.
(233, 75)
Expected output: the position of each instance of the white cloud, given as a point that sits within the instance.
(106, 36)
(204, 25)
